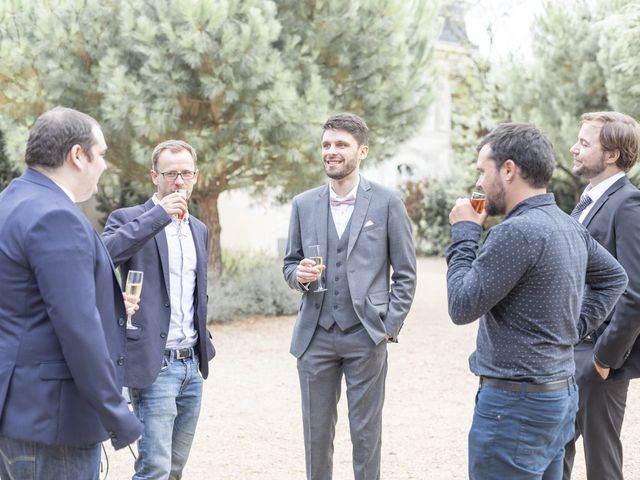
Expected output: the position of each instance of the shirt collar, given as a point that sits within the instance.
(532, 202)
(352, 192)
(66, 190)
(596, 192)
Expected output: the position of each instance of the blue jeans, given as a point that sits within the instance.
(520, 435)
(26, 460)
(169, 410)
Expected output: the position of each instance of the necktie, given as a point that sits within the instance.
(584, 202)
(345, 201)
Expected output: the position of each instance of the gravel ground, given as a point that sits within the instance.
(250, 424)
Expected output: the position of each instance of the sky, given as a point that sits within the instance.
(508, 20)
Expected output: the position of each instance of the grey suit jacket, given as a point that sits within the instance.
(614, 221)
(380, 240)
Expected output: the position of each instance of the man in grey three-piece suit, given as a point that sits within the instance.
(363, 232)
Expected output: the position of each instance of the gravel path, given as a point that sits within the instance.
(250, 425)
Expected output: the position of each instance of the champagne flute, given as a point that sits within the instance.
(133, 288)
(478, 201)
(316, 256)
(183, 193)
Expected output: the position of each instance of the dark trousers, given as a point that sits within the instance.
(599, 420)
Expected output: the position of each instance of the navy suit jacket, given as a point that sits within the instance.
(136, 240)
(62, 333)
(614, 221)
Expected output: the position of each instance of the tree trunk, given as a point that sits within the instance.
(209, 214)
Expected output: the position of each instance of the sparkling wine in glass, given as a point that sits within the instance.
(133, 288)
(478, 201)
(183, 193)
(316, 256)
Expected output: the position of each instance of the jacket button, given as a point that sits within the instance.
(317, 305)
(166, 305)
(121, 322)
(163, 335)
(120, 360)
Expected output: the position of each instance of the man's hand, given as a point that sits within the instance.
(174, 204)
(307, 271)
(131, 303)
(602, 371)
(463, 211)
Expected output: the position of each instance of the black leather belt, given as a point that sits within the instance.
(527, 386)
(180, 353)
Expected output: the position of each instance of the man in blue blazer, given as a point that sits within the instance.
(62, 340)
(364, 234)
(170, 347)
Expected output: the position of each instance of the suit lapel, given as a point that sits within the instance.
(603, 199)
(320, 218)
(363, 198)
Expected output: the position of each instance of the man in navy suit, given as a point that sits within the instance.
(609, 357)
(62, 340)
(171, 347)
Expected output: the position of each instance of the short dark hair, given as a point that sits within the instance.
(619, 132)
(527, 146)
(350, 122)
(54, 134)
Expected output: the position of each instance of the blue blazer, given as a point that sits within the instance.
(62, 328)
(136, 240)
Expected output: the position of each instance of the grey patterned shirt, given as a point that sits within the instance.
(538, 284)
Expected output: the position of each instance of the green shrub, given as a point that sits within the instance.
(250, 285)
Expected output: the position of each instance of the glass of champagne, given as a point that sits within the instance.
(133, 288)
(316, 256)
(183, 193)
(478, 201)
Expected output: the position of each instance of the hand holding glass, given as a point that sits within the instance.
(316, 256)
(133, 288)
(478, 201)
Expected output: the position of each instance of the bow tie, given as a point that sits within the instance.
(345, 201)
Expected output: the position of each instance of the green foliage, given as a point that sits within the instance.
(8, 171)
(428, 204)
(247, 82)
(619, 57)
(250, 285)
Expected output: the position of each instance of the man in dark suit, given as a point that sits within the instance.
(62, 346)
(363, 233)
(607, 147)
(170, 347)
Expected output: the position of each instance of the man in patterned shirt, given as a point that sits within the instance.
(539, 284)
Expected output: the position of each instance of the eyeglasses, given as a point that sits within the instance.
(185, 174)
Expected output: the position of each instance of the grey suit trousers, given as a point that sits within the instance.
(599, 420)
(330, 355)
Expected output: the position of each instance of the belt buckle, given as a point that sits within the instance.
(180, 351)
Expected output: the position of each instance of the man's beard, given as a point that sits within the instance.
(591, 171)
(497, 205)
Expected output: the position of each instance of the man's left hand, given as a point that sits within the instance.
(602, 371)
(131, 303)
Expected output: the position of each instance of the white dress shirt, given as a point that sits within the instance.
(182, 283)
(596, 192)
(342, 213)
